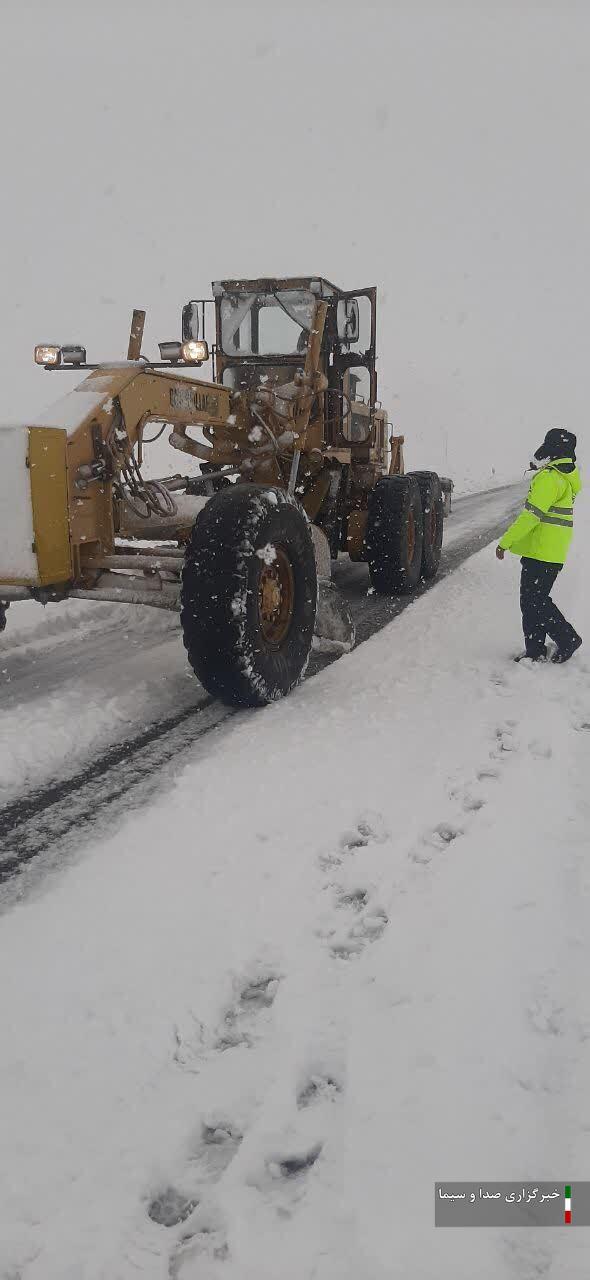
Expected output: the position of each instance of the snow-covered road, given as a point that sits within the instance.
(96, 699)
(344, 956)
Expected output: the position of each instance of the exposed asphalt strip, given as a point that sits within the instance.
(126, 776)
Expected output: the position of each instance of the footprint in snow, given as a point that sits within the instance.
(489, 773)
(369, 924)
(441, 836)
(170, 1206)
(203, 1253)
(204, 1241)
(358, 839)
(283, 1179)
(216, 1148)
(472, 803)
(218, 1143)
(259, 994)
(356, 899)
(370, 829)
(291, 1165)
(318, 1089)
(506, 740)
(239, 1022)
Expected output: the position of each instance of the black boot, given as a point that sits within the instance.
(564, 655)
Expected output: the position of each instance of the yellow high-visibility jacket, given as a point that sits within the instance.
(543, 531)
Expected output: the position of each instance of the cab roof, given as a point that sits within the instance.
(272, 284)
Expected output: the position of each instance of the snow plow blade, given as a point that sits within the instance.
(334, 628)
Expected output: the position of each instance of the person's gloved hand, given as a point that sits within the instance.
(500, 553)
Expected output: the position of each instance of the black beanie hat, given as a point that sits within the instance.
(557, 444)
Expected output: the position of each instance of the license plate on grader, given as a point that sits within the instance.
(298, 466)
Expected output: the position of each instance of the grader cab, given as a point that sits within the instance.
(297, 466)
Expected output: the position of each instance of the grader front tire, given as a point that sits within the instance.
(249, 595)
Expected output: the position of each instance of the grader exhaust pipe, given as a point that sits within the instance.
(136, 335)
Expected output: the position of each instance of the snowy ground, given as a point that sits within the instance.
(345, 957)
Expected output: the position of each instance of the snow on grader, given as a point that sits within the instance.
(297, 467)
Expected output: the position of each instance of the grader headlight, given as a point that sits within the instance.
(75, 355)
(170, 351)
(194, 352)
(49, 356)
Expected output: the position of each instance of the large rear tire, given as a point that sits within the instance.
(433, 512)
(393, 541)
(249, 594)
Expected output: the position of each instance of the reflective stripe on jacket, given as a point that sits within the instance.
(544, 529)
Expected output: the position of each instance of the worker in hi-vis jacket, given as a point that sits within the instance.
(541, 536)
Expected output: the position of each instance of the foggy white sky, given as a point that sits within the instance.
(437, 150)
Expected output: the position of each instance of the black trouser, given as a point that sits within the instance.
(540, 616)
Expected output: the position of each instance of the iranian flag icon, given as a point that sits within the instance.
(567, 1215)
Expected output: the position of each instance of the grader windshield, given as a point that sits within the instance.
(266, 324)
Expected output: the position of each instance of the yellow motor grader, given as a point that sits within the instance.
(297, 466)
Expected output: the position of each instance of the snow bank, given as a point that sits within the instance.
(29, 621)
(344, 958)
(33, 626)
